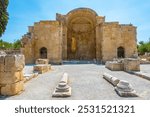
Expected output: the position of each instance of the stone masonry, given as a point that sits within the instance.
(11, 74)
(81, 34)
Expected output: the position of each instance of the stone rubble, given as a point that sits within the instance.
(62, 89)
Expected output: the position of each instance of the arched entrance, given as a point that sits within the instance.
(43, 53)
(120, 52)
(81, 34)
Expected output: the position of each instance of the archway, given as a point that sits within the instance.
(120, 52)
(43, 53)
(81, 34)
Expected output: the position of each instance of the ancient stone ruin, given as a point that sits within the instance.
(62, 89)
(124, 89)
(42, 66)
(113, 80)
(81, 34)
(126, 64)
(11, 74)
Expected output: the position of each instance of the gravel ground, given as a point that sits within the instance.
(86, 82)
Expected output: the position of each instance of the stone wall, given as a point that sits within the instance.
(11, 74)
(93, 38)
(45, 34)
(115, 36)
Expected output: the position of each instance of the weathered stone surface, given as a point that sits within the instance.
(114, 65)
(124, 89)
(79, 35)
(42, 68)
(113, 80)
(12, 89)
(10, 77)
(14, 62)
(64, 78)
(42, 61)
(62, 94)
(2, 60)
(62, 89)
(11, 73)
(131, 64)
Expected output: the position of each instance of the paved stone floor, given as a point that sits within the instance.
(86, 81)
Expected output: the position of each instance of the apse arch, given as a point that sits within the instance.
(81, 34)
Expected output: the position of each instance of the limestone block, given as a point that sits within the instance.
(42, 61)
(10, 77)
(113, 80)
(12, 89)
(42, 68)
(131, 64)
(14, 62)
(114, 65)
(124, 89)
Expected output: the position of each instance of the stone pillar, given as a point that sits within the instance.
(11, 74)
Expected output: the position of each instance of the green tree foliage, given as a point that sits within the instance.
(6, 45)
(3, 15)
(143, 47)
(17, 44)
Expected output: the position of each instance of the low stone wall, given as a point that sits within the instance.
(128, 64)
(114, 66)
(42, 61)
(11, 74)
(42, 68)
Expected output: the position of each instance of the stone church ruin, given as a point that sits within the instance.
(81, 34)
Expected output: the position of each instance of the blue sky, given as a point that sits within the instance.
(23, 13)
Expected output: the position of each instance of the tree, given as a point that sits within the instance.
(144, 47)
(3, 15)
(17, 44)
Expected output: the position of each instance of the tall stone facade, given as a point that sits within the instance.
(79, 35)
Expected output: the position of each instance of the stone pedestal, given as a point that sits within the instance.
(42, 68)
(42, 61)
(114, 65)
(131, 64)
(11, 74)
(124, 89)
(62, 89)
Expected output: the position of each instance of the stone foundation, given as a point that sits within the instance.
(114, 66)
(42, 61)
(42, 68)
(131, 64)
(128, 64)
(11, 74)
